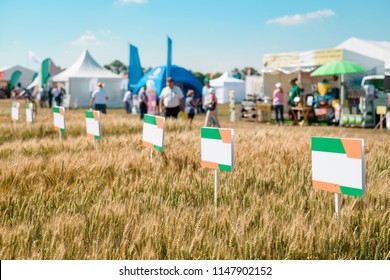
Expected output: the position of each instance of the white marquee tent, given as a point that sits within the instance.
(25, 79)
(224, 84)
(81, 78)
(376, 49)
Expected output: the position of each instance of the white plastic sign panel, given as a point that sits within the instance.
(338, 165)
(29, 113)
(93, 124)
(15, 111)
(153, 132)
(217, 148)
(59, 119)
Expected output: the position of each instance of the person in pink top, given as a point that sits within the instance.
(212, 109)
(278, 102)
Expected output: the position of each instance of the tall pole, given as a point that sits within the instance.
(337, 204)
(216, 188)
(342, 99)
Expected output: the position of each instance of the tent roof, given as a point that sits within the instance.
(375, 49)
(9, 70)
(85, 67)
(225, 78)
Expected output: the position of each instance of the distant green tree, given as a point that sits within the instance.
(244, 72)
(199, 75)
(117, 67)
(146, 70)
(217, 75)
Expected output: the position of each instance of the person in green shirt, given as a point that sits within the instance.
(295, 91)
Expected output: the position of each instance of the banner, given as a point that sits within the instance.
(14, 79)
(217, 148)
(135, 72)
(33, 60)
(169, 58)
(338, 165)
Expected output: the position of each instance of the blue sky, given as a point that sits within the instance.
(208, 35)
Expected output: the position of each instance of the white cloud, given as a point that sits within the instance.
(301, 18)
(87, 39)
(124, 2)
(105, 32)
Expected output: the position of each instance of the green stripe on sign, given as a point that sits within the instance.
(13, 104)
(150, 119)
(89, 114)
(56, 110)
(351, 191)
(223, 167)
(210, 133)
(158, 148)
(97, 137)
(328, 145)
(62, 129)
(27, 107)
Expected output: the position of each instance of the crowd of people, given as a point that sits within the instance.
(172, 102)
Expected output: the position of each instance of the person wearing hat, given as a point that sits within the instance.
(278, 102)
(212, 109)
(171, 100)
(205, 93)
(143, 102)
(99, 98)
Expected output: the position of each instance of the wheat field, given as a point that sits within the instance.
(70, 201)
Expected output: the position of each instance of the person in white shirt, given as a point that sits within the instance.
(127, 100)
(99, 98)
(171, 100)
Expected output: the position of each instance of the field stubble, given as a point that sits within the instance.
(71, 202)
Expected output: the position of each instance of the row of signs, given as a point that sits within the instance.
(338, 164)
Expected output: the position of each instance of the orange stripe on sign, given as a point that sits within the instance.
(62, 111)
(147, 144)
(353, 148)
(96, 115)
(226, 135)
(329, 187)
(90, 136)
(208, 164)
(160, 122)
(56, 128)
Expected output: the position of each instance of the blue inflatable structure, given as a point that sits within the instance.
(182, 77)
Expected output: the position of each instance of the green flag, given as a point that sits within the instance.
(14, 78)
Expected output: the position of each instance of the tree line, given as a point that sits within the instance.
(120, 68)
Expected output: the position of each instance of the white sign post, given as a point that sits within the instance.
(217, 152)
(29, 114)
(338, 166)
(59, 121)
(93, 126)
(153, 133)
(15, 112)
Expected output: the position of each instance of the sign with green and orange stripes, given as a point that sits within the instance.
(29, 113)
(93, 124)
(338, 165)
(15, 111)
(59, 119)
(153, 132)
(217, 148)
